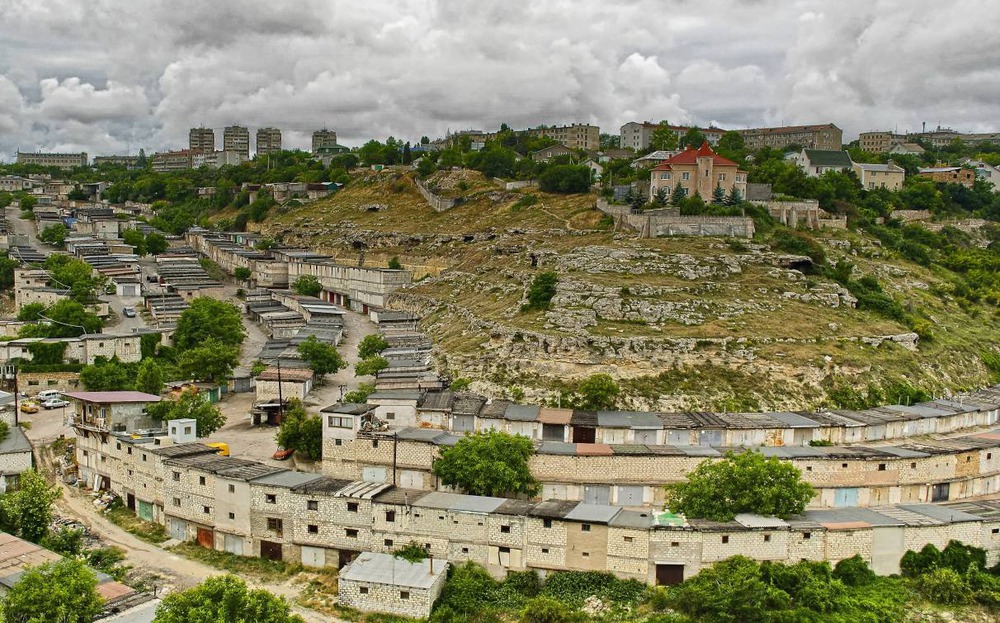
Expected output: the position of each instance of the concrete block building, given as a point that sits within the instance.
(384, 583)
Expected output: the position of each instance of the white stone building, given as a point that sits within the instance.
(385, 583)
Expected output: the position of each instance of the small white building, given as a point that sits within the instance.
(383, 583)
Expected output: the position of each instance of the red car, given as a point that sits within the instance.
(281, 454)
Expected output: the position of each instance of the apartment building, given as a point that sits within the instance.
(268, 141)
(574, 136)
(171, 161)
(201, 140)
(639, 136)
(698, 171)
(824, 136)
(236, 138)
(323, 138)
(63, 161)
(880, 142)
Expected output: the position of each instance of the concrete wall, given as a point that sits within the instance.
(440, 204)
(654, 225)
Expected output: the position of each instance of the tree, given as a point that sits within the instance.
(372, 345)
(68, 319)
(212, 361)
(190, 405)
(54, 234)
(693, 138)
(56, 592)
(107, 375)
(206, 319)
(149, 377)
(678, 195)
(719, 194)
(225, 599)
(491, 463)
(307, 285)
(30, 312)
(27, 511)
(543, 609)
(301, 431)
(740, 483)
(565, 178)
(599, 392)
(542, 289)
(28, 203)
(394, 263)
(7, 266)
(370, 366)
(663, 138)
(360, 395)
(156, 243)
(734, 198)
(242, 273)
(322, 358)
(136, 239)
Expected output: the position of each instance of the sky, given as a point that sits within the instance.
(111, 76)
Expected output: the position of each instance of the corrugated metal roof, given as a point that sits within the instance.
(593, 513)
(386, 569)
(795, 420)
(941, 513)
(865, 516)
(458, 502)
(287, 479)
(362, 490)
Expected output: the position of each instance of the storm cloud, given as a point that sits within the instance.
(112, 76)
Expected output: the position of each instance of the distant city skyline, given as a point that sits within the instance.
(422, 67)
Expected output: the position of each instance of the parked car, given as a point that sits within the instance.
(281, 454)
(55, 403)
(48, 394)
(29, 407)
(128, 312)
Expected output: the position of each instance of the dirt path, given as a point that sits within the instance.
(181, 572)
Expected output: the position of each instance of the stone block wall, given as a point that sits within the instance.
(440, 204)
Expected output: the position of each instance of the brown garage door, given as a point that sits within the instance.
(668, 575)
(270, 550)
(206, 538)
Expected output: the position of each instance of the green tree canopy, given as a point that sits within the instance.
(149, 377)
(68, 319)
(301, 431)
(107, 375)
(372, 345)
(206, 319)
(307, 285)
(598, 392)
(663, 138)
(57, 592)
(370, 366)
(212, 361)
(54, 234)
(740, 483)
(135, 238)
(492, 463)
(541, 291)
(322, 358)
(27, 511)
(224, 599)
(360, 395)
(156, 243)
(692, 138)
(565, 178)
(242, 273)
(190, 405)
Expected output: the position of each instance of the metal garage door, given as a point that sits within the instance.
(463, 423)
(313, 556)
(178, 529)
(597, 494)
(630, 496)
(233, 544)
(646, 437)
(411, 479)
(845, 497)
(144, 510)
(373, 474)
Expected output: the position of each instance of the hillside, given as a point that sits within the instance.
(681, 323)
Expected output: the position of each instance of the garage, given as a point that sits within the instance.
(206, 537)
(232, 544)
(313, 556)
(178, 529)
(270, 550)
(144, 510)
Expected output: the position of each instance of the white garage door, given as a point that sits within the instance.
(373, 474)
(313, 556)
(233, 544)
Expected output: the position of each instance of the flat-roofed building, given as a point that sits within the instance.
(236, 138)
(63, 161)
(201, 140)
(268, 141)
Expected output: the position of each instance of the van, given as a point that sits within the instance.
(48, 394)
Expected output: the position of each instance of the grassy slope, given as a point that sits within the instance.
(797, 350)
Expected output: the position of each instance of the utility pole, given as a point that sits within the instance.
(281, 400)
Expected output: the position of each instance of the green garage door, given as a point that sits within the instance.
(144, 510)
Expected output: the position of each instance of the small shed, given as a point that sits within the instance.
(383, 583)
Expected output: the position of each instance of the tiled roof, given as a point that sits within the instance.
(691, 155)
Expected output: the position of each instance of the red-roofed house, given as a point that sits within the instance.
(698, 171)
(102, 412)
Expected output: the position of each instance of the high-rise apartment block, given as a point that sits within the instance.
(323, 138)
(236, 138)
(268, 141)
(201, 140)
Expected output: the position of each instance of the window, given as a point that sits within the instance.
(201, 480)
(232, 515)
(363, 590)
(187, 430)
(338, 442)
(628, 539)
(177, 501)
(881, 467)
(586, 554)
(85, 454)
(390, 415)
(504, 550)
(545, 550)
(767, 538)
(143, 457)
(844, 465)
(232, 488)
(274, 524)
(312, 529)
(664, 176)
(913, 465)
(118, 446)
(722, 177)
(206, 509)
(404, 594)
(387, 542)
(312, 505)
(351, 533)
(675, 544)
(271, 498)
(585, 527)
(505, 529)
(995, 530)
(809, 468)
(806, 536)
(725, 538)
(177, 476)
(546, 523)
(390, 516)
(685, 176)
(374, 443)
(129, 450)
(352, 507)
(339, 422)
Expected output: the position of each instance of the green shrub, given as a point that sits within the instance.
(943, 586)
(798, 243)
(854, 571)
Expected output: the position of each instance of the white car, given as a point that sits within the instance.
(55, 403)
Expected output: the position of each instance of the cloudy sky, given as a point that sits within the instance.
(108, 76)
